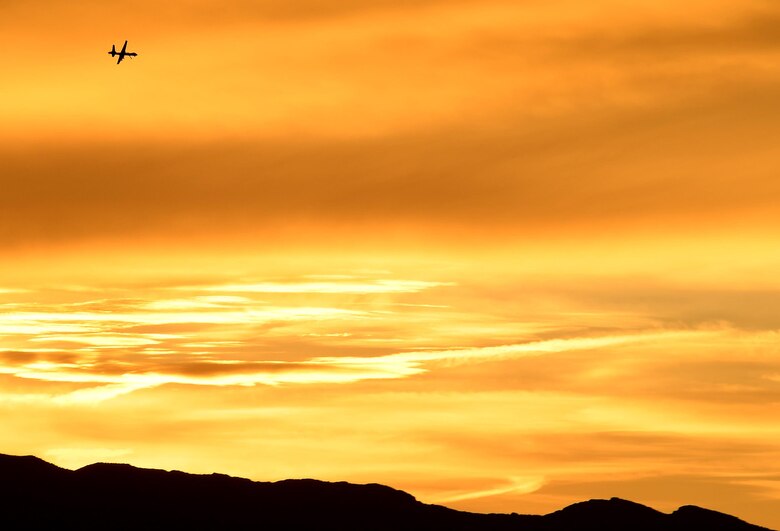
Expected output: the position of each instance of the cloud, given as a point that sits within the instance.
(516, 486)
(450, 357)
(359, 331)
(751, 30)
(349, 286)
(629, 166)
(468, 125)
(95, 395)
(193, 15)
(123, 376)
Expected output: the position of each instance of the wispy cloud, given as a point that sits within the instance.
(345, 287)
(515, 485)
(149, 371)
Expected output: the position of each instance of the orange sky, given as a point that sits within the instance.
(503, 255)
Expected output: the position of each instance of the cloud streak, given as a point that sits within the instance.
(151, 371)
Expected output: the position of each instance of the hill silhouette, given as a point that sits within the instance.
(37, 495)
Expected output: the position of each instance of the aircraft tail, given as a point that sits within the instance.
(113, 49)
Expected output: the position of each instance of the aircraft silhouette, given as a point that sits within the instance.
(122, 53)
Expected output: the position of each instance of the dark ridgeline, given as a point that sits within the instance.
(37, 495)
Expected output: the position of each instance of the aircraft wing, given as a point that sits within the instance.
(121, 56)
(124, 48)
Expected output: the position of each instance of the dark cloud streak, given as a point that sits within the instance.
(660, 163)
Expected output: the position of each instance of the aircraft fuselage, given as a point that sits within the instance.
(122, 53)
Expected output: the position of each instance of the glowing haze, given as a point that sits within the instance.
(503, 255)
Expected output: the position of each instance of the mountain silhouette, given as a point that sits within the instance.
(36, 495)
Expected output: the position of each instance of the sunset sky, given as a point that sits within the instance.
(503, 255)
